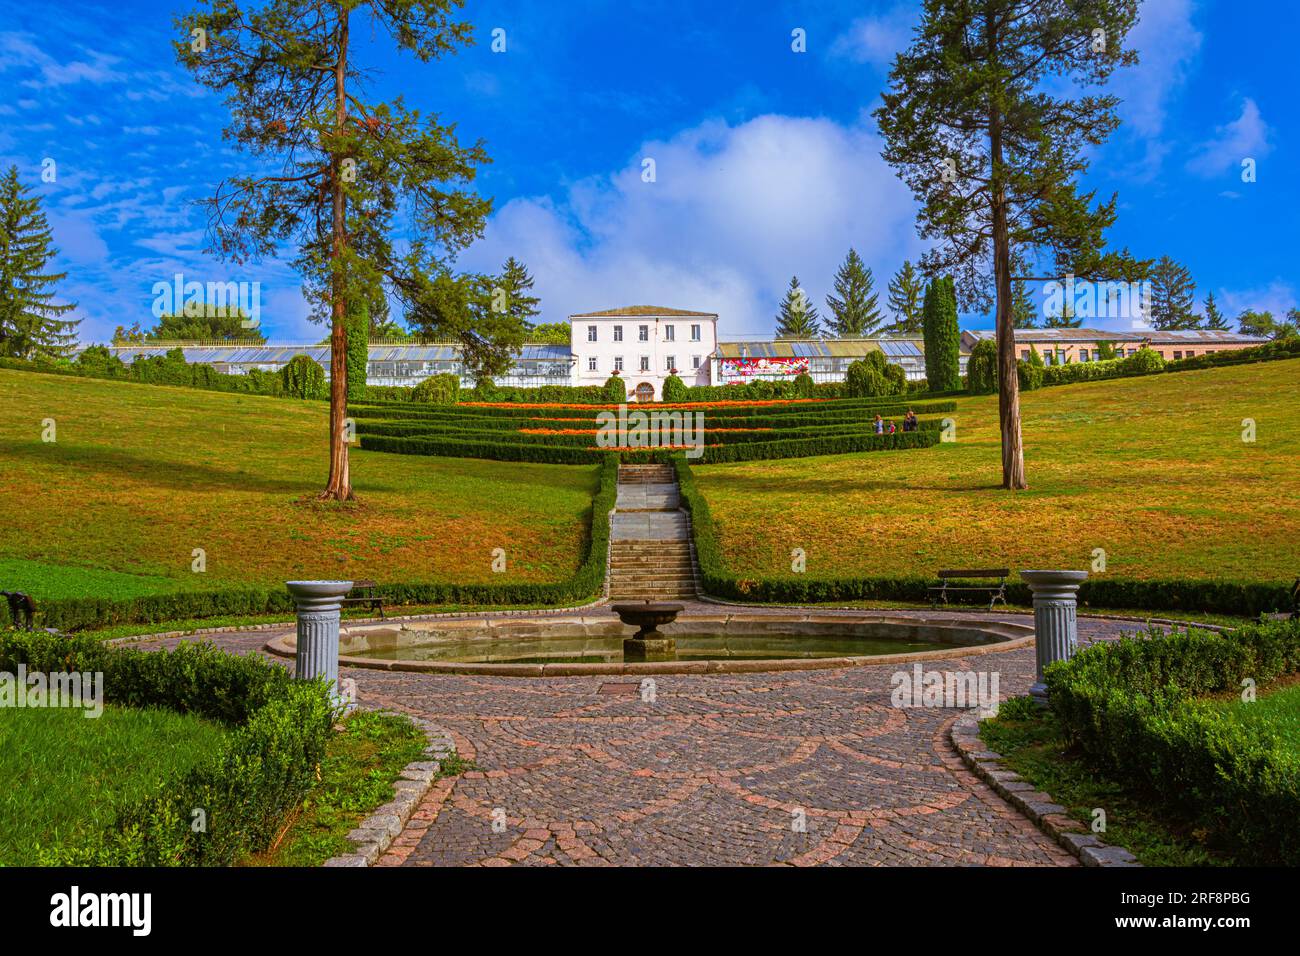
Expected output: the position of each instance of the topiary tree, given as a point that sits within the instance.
(804, 386)
(674, 389)
(358, 331)
(443, 389)
(615, 389)
(942, 336)
(982, 368)
(303, 377)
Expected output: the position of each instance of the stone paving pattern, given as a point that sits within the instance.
(716, 769)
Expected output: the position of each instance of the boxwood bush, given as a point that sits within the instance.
(242, 792)
(1133, 708)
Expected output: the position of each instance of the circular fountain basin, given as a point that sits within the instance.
(719, 643)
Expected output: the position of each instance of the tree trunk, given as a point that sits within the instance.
(339, 487)
(1013, 457)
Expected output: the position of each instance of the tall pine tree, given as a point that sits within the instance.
(516, 284)
(1213, 318)
(855, 310)
(1172, 296)
(30, 323)
(905, 293)
(989, 118)
(798, 318)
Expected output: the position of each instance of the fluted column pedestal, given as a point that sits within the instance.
(1056, 629)
(317, 654)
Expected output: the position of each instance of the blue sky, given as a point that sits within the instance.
(767, 160)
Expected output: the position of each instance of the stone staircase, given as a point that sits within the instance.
(651, 557)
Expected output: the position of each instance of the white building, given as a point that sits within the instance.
(644, 344)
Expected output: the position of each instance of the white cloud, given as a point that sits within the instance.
(1246, 136)
(77, 238)
(1277, 297)
(1167, 44)
(735, 211)
(877, 39)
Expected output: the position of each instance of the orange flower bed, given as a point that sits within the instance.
(653, 406)
(594, 431)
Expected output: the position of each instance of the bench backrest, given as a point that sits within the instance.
(976, 573)
(363, 585)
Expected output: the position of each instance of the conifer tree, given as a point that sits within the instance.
(797, 318)
(1213, 319)
(855, 310)
(1172, 296)
(905, 294)
(30, 323)
(515, 284)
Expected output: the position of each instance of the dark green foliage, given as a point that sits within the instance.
(245, 789)
(1172, 296)
(358, 351)
(874, 376)
(303, 377)
(443, 389)
(1145, 362)
(905, 292)
(30, 320)
(1030, 374)
(804, 387)
(674, 390)
(942, 336)
(1213, 318)
(797, 318)
(615, 390)
(982, 367)
(553, 333)
(208, 324)
(1132, 707)
(855, 312)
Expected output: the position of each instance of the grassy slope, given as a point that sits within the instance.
(142, 474)
(1151, 469)
(66, 775)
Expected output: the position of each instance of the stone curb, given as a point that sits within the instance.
(373, 835)
(1048, 816)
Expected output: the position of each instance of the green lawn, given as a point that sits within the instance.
(140, 475)
(65, 774)
(1153, 470)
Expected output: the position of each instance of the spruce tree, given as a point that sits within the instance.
(515, 283)
(991, 113)
(905, 292)
(854, 305)
(1023, 311)
(1213, 319)
(797, 318)
(30, 323)
(1172, 296)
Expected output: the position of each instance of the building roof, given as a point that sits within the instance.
(271, 354)
(647, 310)
(1202, 336)
(820, 348)
(1175, 336)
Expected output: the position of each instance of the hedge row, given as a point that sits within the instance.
(72, 614)
(851, 409)
(1216, 597)
(259, 773)
(1132, 707)
(1151, 363)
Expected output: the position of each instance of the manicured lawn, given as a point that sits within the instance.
(65, 774)
(1276, 711)
(141, 475)
(1153, 470)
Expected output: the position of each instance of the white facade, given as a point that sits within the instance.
(644, 344)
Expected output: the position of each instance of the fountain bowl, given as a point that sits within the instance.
(649, 642)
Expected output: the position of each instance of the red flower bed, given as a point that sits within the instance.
(593, 431)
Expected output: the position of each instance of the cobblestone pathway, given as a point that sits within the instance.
(717, 768)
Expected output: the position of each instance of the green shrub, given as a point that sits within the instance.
(358, 351)
(303, 377)
(1145, 362)
(804, 386)
(443, 389)
(874, 376)
(1029, 374)
(982, 367)
(674, 390)
(1132, 707)
(244, 790)
(615, 390)
(942, 335)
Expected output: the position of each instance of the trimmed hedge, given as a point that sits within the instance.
(261, 771)
(1217, 597)
(1131, 706)
(1150, 363)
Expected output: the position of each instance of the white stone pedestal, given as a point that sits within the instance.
(1056, 631)
(317, 654)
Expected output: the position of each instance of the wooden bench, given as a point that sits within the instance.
(997, 592)
(366, 592)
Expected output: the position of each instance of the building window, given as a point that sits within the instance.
(695, 333)
(618, 333)
(670, 363)
(1177, 355)
(643, 333)
(1191, 354)
(1084, 355)
(670, 333)
(695, 361)
(591, 364)
(618, 363)
(645, 363)
(591, 333)
(1024, 354)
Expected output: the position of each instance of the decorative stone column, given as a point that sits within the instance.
(1056, 631)
(317, 653)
